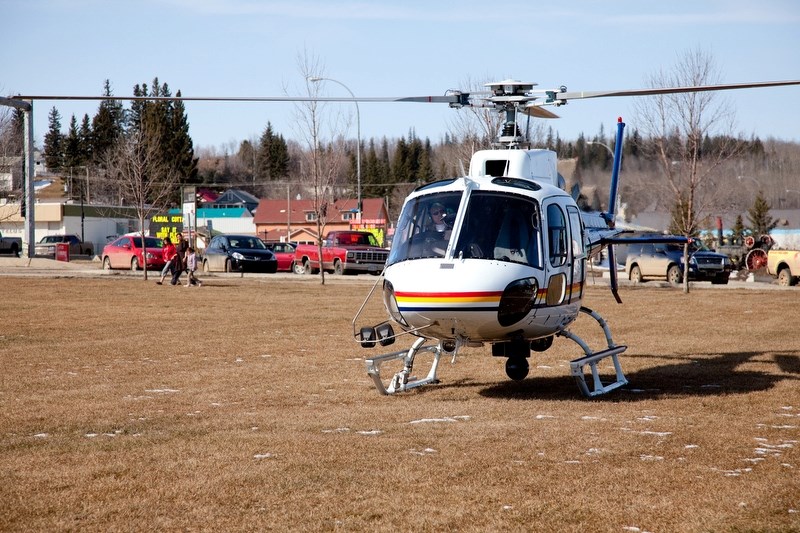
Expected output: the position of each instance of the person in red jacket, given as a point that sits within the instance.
(168, 253)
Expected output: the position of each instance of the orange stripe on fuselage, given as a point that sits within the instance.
(441, 297)
(467, 296)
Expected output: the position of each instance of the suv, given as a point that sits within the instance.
(665, 261)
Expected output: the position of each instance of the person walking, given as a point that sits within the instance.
(168, 254)
(191, 268)
(179, 263)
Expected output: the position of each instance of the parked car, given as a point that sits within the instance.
(284, 253)
(665, 261)
(126, 252)
(47, 246)
(245, 253)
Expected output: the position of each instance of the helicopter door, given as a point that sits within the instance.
(559, 258)
(578, 251)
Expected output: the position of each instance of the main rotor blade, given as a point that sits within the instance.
(446, 99)
(539, 112)
(670, 90)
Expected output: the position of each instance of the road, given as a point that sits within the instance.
(22, 267)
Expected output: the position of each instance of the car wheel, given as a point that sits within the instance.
(636, 274)
(106, 263)
(135, 264)
(206, 268)
(338, 268)
(306, 267)
(228, 265)
(674, 275)
(298, 268)
(785, 277)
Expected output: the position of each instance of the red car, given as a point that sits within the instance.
(284, 252)
(126, 252)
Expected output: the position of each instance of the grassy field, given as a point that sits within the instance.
(245, 405)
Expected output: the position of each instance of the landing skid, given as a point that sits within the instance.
(403, 380)
(591, 358)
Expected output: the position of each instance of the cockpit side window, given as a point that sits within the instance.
(557, 235)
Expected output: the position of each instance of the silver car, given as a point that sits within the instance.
(665, 261)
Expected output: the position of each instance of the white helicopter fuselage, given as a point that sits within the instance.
(509, 264)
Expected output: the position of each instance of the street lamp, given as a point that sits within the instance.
(604, 145)
(611, 153)
(316, 79)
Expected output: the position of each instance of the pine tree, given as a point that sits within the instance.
(107, 125)
(247, 157)
(72, 147)
(54, 142)
(680, 218)
(761, 223)
(401, 170)
(181, 144)
(272, 158)
(738, 231)
(85, 139)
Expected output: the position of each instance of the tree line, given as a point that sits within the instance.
(270, 165)
(89, 146)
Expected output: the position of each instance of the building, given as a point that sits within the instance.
(233, 198)
(295, 220)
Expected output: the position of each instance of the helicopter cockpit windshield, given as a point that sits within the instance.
(425, 227)
(496, 226)
(501, 227)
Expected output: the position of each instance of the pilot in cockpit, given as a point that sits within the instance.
(440, 221)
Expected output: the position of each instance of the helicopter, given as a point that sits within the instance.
(499, 255)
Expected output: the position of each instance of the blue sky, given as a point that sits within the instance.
(251, 48)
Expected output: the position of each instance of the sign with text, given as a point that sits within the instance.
(166, 225)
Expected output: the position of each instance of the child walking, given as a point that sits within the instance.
(191, 268)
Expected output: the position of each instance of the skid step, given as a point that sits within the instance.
(403, 380)
(577, 369)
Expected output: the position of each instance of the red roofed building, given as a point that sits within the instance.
(275, 219)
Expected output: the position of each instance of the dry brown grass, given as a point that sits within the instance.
(244, 405)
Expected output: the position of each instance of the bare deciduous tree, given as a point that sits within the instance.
(678, 125)
(324, 161)
(137, 170)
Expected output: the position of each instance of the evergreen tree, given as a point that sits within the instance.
(761, 223)
(400, 169)
(107, 125)
(85, 139)
(738, 231)
(181, 144)
(73, 157)
(272, 157)
(155, 117)
(247, 155)
(424, 166)
(54, 142)
(680, 216)
(369, 172)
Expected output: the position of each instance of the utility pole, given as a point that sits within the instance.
(27, 155)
